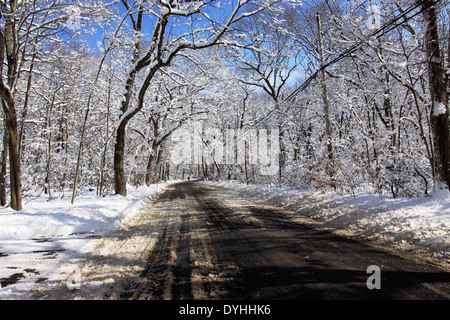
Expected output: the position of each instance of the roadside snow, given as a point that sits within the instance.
(415, 225)
(39, 243)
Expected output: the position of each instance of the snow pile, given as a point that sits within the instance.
(40, 242)
(420, 225)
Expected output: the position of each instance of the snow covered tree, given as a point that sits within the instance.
(28, 28)
(177, 26)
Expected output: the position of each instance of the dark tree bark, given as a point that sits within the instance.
(438, 91)
(4, 157)
(7, 47)
(13, 139)
(119, 172)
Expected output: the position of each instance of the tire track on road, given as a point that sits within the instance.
(217, 246)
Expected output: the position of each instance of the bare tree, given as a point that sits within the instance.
(164, 45)
(326, 105)
(24, 24)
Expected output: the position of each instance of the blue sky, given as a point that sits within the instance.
(178, 23)
(148, 23)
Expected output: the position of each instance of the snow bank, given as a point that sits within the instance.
(421, 225)
(37, 243)
(89, 214)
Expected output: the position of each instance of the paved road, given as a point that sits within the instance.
(217, 245)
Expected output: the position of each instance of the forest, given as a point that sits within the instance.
(348, 95)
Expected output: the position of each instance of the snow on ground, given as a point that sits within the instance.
(39, 243)
(420, 226)
(45, 241)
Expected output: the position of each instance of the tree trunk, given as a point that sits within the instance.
(119, 148)
(105, 149)
(120, 181)
(8, 46)
(25, 103)
(326, 106)
(149, 176)
(4, 156)
(438, 92)
(14, 163)
(80, 153)
(120, 184)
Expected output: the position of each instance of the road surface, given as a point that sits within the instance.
(216, 245)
